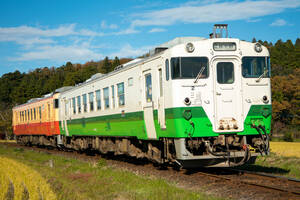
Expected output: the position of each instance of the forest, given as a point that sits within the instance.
(17, 88)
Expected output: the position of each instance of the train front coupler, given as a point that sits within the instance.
(263, 145)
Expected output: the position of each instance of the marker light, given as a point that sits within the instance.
(189, 47)
(258, 47)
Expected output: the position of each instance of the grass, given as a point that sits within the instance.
(76, 179)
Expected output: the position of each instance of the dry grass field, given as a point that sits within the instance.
(18, 181)
(287, 149)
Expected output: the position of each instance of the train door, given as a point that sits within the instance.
(227, 95)
(65, 115)
(148, 104)
(161, 101)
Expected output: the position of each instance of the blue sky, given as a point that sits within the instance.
(40, 33)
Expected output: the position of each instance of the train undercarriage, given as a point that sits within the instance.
(222, 151)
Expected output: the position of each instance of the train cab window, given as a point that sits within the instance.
(98, 99)
(254, 67)
(225, 72)
(56, 103)
(113, 95)
(148, 80)
(189, 67)
(74, 105)
(121, 94)
(84, 99)
(79, 104)
(106, 97)
(167, 70)
(91, 101)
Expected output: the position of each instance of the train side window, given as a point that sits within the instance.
(106, 97)
(167, 70)
(130, 81)
(20, 116)
(121, 93)
(79, 104)
(31, 118)
(148, 80)
(84, 103)
(40, 112)
(91, 101)
(56, 103)
(34, 114)
(49, 112)
(113, 95)
(74, 105)
(98, 99)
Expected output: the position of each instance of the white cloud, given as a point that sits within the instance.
(213, 12)
(60, 53)
(253, 20)
(130, 30)
(156, 30)
(128, 51)
(27, 35)
(279, 22)
(104, 25)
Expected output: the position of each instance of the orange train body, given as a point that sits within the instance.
(38, 117)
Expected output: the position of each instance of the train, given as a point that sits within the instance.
(191, 102)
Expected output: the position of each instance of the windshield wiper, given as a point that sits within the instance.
(199, 74)
(262, 75)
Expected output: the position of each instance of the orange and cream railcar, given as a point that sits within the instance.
(37, 117)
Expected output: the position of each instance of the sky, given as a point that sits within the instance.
(46, 33)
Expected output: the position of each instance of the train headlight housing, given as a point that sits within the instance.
(187, 101)
(258, 47)
(265, 99)
(190, 47)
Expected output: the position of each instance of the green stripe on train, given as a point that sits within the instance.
(132, 124)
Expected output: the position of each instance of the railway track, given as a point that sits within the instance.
(233, 183)
(260, 180)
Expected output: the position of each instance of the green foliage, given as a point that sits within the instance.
(288, 137)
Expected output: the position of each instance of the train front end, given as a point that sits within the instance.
(221, 102)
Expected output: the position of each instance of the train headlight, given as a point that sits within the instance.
(258, 47)
(265, 99)
(190, 47)
(187, 101)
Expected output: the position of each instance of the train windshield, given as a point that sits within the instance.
(255, 67)
(189, 67)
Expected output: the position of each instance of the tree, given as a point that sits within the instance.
(116, 62)
(106, 65)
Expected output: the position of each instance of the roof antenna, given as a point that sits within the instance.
(218, 30)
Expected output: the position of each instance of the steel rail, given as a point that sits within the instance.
(249, 183)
